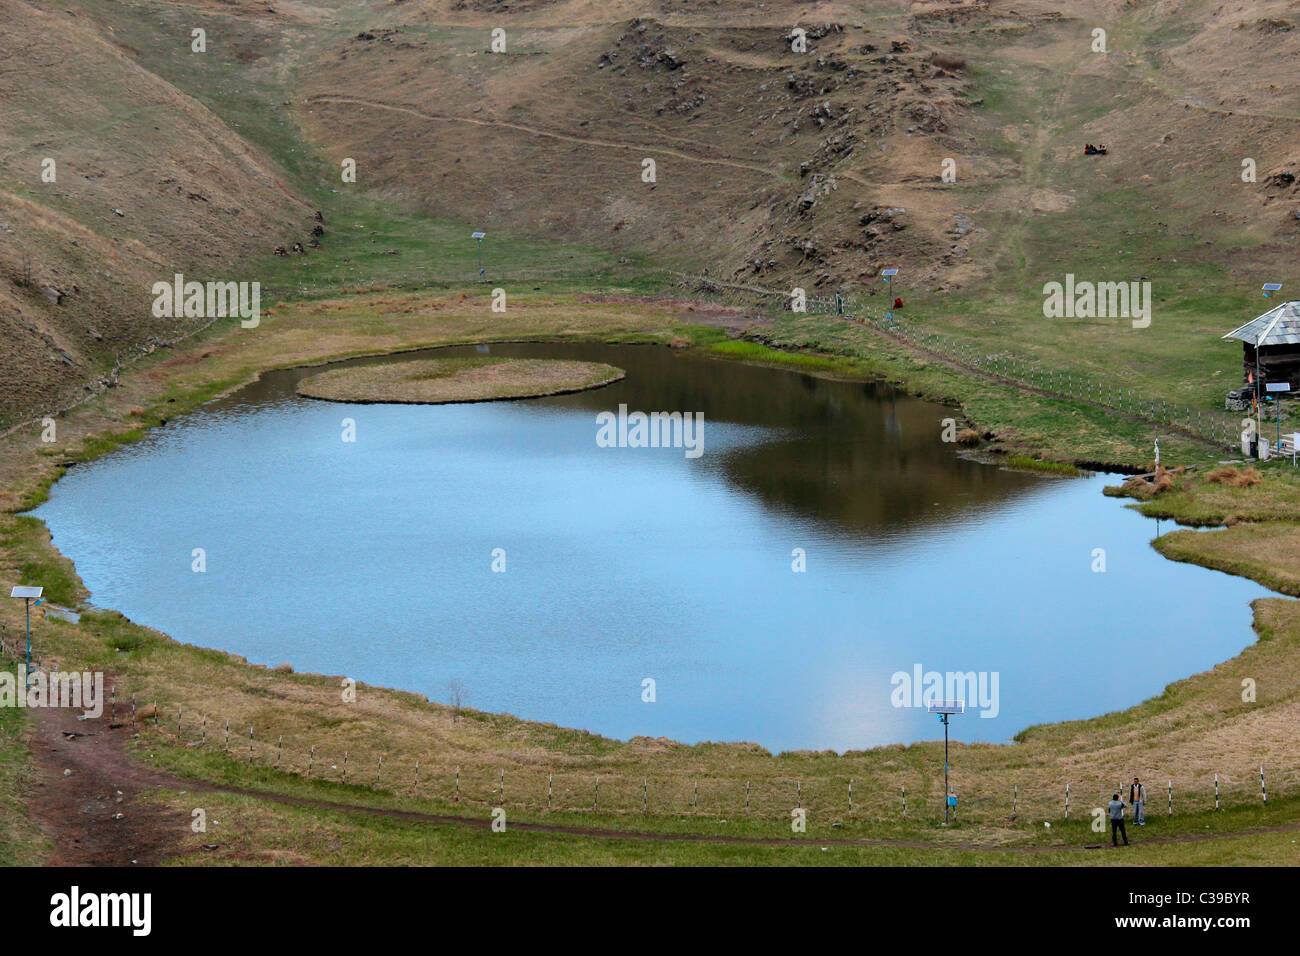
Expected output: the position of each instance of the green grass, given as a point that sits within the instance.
(759, 354)
(40, 565)
(21, 841)
(259, 830)
(1065, 469)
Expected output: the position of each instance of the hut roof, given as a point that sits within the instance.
(1280, 326)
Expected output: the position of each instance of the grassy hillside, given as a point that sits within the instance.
(774, 167)
(146, 182)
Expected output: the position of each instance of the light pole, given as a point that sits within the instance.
(28, 594)
(945, 708)
(888, 274)
(479, 237)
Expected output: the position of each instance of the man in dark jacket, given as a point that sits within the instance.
(1117, 821)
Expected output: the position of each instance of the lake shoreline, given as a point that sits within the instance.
(1030, 742)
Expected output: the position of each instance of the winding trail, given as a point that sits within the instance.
(86, 792)
(548, 134)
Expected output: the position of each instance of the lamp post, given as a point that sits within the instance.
(28, 594)
(945, 708)
(478, 236)
(888, 274)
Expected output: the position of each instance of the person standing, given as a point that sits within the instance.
(1117, 821)
(1137, 796)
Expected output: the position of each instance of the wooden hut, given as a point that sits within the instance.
(1271, 347)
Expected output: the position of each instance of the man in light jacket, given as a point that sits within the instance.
(1137, 796)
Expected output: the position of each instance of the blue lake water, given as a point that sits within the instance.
(374, 558)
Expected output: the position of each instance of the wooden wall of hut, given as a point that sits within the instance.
(1277, 363)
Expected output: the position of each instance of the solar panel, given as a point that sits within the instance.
(946, 707)
(26, 592)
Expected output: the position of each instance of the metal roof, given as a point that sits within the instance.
(1280, 326)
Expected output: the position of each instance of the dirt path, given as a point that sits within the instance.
(83, 795)
(533, 131)
(93, 817)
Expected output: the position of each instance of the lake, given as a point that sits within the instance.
(624, 573)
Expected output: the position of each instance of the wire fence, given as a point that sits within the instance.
(537, 787)
(1218, 427)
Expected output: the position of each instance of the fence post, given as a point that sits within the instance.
(311, 759)
(155, 711)
(1067, 801)
(904, 801)
(645, 794)
(279, 750)
(1216, 791)
(345, 766)
(132, 708)
(798, 794)
(746, 794)
(204, 739)
(1262, 789)
(549, 778)
(850, 794)
(1015, 798)
(227, 735)
(595, 804)
(1171, 798)
(178, 721)
(458, 783)
(417, 773)
(695, 800)
(250, 745)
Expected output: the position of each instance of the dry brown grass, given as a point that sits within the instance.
(947, 61)
(1200, 728)
(440, 381)
(1234, 477)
